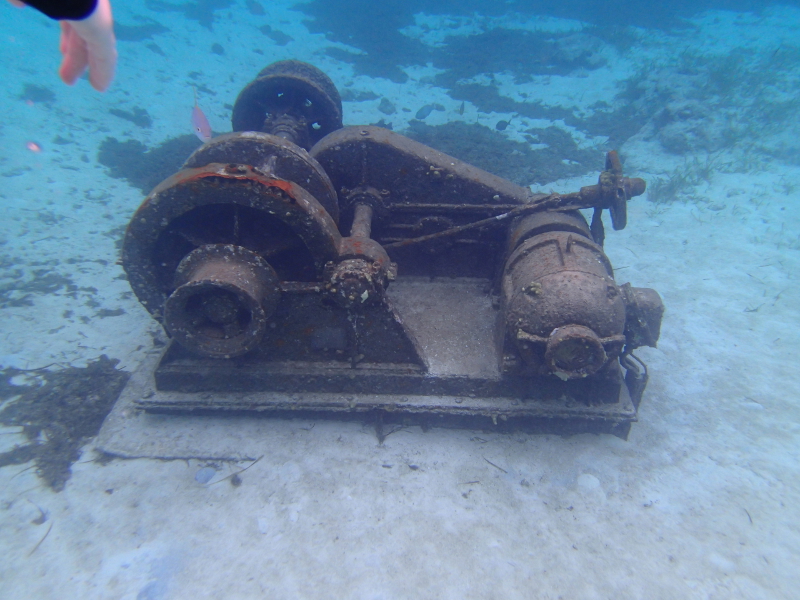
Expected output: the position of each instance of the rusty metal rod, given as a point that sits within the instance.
(455, 208)
(362, 221)
(574, 200)
(300, 287)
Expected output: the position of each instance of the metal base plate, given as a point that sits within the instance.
(455, 325)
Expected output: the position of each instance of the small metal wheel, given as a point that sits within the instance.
(290, 99)
(223, 296)
(272, 156)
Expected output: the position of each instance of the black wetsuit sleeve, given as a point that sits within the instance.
(73, 10)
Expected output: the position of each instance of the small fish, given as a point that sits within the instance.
(502, 125)
(423, 112)
(199, 122)
(461, 109)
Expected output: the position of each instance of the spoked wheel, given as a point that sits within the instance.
(290, 99)
(208, 248)
(615, 191)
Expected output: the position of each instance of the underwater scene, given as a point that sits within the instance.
(400, 299)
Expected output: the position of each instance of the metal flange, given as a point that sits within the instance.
(272, 156)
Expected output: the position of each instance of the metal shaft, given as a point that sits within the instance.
(362, 221)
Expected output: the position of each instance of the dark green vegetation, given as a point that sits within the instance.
(37, 93)
(277, 36)
(137, 33)
(484, 147)
(523, 54)
(157, 49)
(201, 11)
(138, 116)
(374, 26)
(18, 288)
(255, 8)
(59, 411)
(700, 103)
(375, 29)
(694, 103)
(663, 190)
(145, 168)
(21, 283)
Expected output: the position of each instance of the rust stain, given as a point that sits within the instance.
(190, 175)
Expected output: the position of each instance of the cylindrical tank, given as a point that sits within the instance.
(564, 313)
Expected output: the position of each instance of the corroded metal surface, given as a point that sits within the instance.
(363, 270)
(272, 156)
(643, 313)
(414, 175)
(462, 387)
(225, 204)
(289, 99)
(245, 256)
(308, 334)
(223, 296)
(563, 310)
(454, 209)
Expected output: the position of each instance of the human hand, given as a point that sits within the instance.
(89, 42)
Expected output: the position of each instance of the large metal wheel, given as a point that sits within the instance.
(271, 155)
(292, 99)
(225, 204)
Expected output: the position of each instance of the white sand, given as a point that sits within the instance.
(702, 501)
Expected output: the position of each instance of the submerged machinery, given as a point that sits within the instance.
(303, 267)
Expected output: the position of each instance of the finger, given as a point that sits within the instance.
(17, 3)
(76, 58)
(102, 55)
(97, 31)
(102, 64)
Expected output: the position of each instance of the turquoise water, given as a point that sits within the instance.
(700, 501)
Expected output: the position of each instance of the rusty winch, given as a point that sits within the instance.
(303, 267)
